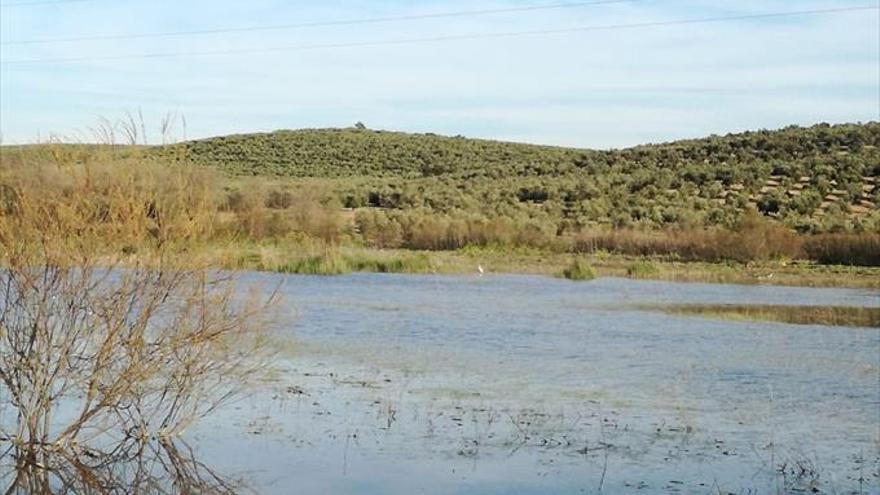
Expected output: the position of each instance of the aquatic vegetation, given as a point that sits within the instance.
(409, 263)
(329, 263)
(642, 269)
(579, 270)
(800, 315)
(338, 262)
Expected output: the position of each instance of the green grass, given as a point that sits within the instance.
(642, 269)
(330, 263)
(339, 262)
(579, 271)
(410, 263)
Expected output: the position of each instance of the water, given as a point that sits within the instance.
(517, 384)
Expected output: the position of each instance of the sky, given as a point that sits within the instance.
(601, 88)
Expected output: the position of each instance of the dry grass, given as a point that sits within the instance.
(844, 249)
(753, 239)
(799, 315)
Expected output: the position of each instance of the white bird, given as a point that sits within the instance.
(480, 269)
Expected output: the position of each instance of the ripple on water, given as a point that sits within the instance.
(515, 384)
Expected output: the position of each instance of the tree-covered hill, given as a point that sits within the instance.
(824, 178)
(818, 178)
(332, 153)
(362, 152)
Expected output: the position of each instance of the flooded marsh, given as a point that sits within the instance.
(399, 384)
(516, 384)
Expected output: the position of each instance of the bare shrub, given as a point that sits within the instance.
(110, 333)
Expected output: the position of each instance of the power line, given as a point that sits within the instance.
(39, 3)
(510, 34)
(280, 27)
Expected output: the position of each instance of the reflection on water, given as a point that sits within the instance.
(153, 468)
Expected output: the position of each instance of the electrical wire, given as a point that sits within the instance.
(315, 24)
(39, 3)
(434, 39)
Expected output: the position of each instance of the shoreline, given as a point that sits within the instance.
(310, 260)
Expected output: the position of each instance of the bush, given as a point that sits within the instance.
(100, 351)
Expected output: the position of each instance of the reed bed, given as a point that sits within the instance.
(836, 316)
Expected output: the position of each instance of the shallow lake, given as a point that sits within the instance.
(526, 385)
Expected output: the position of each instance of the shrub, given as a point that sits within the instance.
(99, 351)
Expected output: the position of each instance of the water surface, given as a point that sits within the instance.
(518, 384)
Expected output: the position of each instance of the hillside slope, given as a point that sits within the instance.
(817, 179)
(362, 152)
(814, 179)
(333, 153)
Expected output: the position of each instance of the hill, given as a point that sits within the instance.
(820, 178)
(334, 153)
(795, 193)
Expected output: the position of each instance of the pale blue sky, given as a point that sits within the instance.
(604, 88)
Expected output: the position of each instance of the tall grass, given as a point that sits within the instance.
(753, 239)
(844, 249)
(336, 262)
(798, 315)
(642, 269)
(579, 270)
